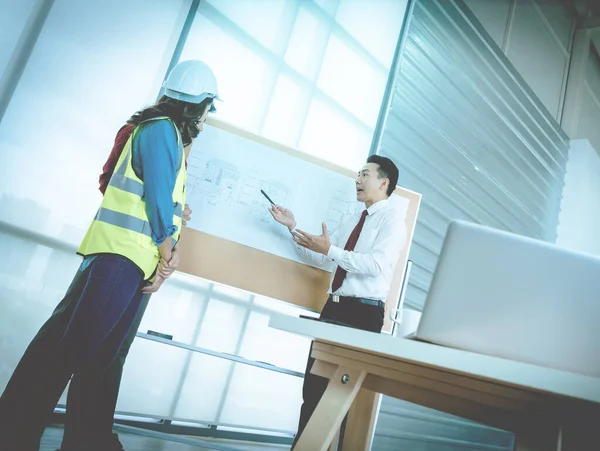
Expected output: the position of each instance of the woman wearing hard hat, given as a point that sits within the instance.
(128, 251)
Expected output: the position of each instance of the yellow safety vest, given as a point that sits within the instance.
(121, 225)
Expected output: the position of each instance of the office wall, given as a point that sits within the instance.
(579, 220)
(469, 134)
(536, 36)
(457, 127)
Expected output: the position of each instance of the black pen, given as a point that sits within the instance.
(267, 196)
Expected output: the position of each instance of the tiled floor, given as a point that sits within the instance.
(131, 442)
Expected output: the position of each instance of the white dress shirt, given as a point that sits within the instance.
(370, 266)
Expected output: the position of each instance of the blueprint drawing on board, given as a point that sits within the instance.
(226, 173)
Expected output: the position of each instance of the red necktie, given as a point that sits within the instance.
(340, 274)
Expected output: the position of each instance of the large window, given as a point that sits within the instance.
(308, 74)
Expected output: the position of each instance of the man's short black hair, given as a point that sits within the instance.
(387, 170)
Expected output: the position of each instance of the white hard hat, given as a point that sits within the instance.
(191, 81)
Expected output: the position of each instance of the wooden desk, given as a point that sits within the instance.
(547, 409)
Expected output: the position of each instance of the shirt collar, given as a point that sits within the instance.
(378, 206)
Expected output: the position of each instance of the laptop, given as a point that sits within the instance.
(514, 297)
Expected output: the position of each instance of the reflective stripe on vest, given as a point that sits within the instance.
(124, 221)
(129, 222)
(126, 184)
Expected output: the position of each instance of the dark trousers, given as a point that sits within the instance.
(82, 336)
(92, 398)
(359, 316)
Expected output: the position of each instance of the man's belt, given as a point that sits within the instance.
(355, 300)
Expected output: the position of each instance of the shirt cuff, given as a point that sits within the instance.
(158, 240)
(335, 253)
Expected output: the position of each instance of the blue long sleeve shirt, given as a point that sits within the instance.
(156, 159)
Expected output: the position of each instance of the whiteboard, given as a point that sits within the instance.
(226, 173)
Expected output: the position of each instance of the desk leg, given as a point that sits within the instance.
(329, 414)
(361, 422)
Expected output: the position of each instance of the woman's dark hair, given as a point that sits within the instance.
(183, 114)
(387, 170)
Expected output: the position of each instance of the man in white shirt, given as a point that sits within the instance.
(365, 250)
